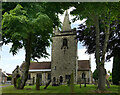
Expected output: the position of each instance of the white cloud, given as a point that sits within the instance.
(82, 55)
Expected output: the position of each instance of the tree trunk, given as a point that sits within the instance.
(101, 77)
(100, 63)
(37, 82)
(27, 62)
(102, 70)
(97, 55)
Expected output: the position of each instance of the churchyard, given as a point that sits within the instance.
(65, 73)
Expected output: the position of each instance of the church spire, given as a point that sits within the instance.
(66, 22)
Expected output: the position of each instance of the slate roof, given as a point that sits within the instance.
(82, 65)
(40, 65)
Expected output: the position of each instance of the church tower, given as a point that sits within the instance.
(64, 53)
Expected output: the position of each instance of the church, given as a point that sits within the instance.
(64, 60)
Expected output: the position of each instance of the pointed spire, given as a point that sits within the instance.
(66, 22)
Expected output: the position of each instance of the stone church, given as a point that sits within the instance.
(64, 60)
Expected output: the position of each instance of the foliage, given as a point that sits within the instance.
(99, 17)
(18, 82)
(9, 78)
(87, 38)
(29, 28)
(95, 74)
(16, 31)
(110, 78)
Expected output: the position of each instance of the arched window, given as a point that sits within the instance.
(54, 79)
(49, 76)
(65, 44)
(61, 79)
(17, 76)
(83, 75)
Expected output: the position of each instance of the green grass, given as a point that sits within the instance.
(58, 89)
(4, 84)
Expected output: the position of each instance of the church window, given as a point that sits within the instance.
(55, 68)
(61, 79)
(65, 44)
(49, 76)
(40, 76)
(17, 76)
(83, 75)
(54, 79)
(67, 77)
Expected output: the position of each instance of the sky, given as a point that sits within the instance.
(8, 62)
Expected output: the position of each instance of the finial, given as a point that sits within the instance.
(66, 22)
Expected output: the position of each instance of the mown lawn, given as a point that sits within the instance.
(59, 89)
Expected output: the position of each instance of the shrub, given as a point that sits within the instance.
(18, 82)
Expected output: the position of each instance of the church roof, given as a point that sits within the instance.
(82, 65)
(40, 65)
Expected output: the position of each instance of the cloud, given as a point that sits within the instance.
(82, 55)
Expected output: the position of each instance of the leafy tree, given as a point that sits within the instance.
(113, 48)
(30, 25)
(30, 28)
(96, 12)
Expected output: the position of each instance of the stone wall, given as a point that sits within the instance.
(64, 60)
(88, 76)
(44, 79)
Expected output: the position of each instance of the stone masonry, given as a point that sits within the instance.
(64, 53)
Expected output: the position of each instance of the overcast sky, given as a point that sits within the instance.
(8, 62)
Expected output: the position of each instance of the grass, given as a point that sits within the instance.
(58, 89)
(4, 84)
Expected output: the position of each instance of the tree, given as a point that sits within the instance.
(30, 28)
(96, 12)
(113, 48)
